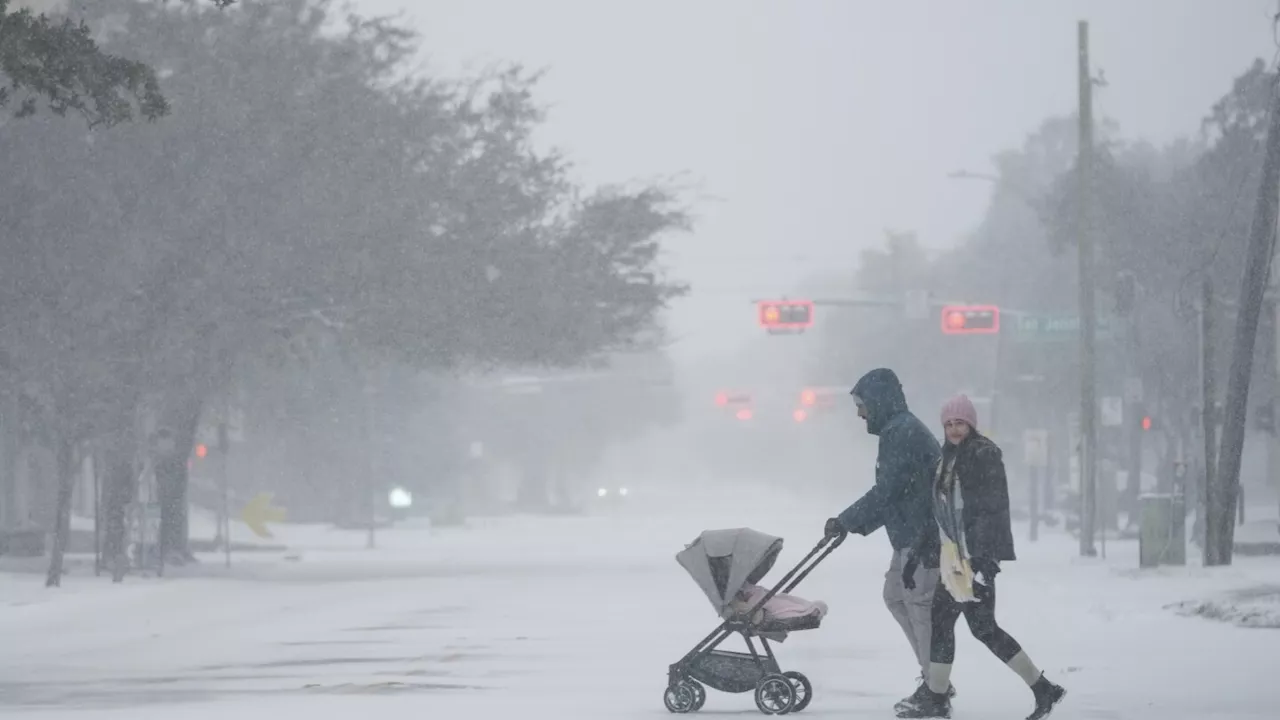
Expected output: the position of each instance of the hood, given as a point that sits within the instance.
(882, 395)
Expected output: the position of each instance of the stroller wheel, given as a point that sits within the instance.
(803, 688)
(680, 698)
(699, 694)
(775, 695)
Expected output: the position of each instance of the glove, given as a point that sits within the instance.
(984, 570)
(833, 528)
(909, 572)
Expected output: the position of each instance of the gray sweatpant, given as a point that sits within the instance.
(912, 608)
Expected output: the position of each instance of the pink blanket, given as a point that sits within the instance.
(779, 607)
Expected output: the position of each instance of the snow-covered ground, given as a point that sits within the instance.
(579, 618)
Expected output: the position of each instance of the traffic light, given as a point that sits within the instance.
(725, 399)
(202, 450)
(785, 314)
(1146, 422)
(821, 397)
(970, 320)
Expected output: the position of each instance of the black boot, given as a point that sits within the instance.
(918, 696)
(925, 704)
(1047, 695)
(911, 699)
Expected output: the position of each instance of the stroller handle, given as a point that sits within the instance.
(830, 543)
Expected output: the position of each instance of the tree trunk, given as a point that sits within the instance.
(66, 468)
(173, 477)
(171, 482)
(8, 452)
(117, 492)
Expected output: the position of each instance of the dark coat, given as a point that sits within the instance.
(988, 529)
(908, 454)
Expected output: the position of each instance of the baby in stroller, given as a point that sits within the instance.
(728, 565)
(777, 610)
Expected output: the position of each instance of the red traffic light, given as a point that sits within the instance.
(970, 320)
(785, 314)
(1146, 422)
(201, 450)
(724, 399)
(820, 397)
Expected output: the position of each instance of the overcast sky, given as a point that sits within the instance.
(813, 125)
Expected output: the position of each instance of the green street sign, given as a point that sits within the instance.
(1055, 328)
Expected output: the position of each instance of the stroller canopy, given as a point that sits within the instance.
(723, 561)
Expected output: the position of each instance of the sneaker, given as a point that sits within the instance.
(1047, 695)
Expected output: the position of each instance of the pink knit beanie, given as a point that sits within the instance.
(960, 408)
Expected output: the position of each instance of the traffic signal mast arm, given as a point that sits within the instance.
(867, 301)
(785, 316)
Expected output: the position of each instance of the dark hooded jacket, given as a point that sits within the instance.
(908, 455)
(986, 526)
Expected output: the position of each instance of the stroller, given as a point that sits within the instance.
(723, 562)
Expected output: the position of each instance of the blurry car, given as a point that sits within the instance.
(613, 495)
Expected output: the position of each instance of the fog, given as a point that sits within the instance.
(465, 301)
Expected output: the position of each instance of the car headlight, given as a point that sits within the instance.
(602, 492)
(399, 498)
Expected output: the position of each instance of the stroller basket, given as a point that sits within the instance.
(723, 562)
(731, 672)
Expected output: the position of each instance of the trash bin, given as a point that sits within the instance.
(1162, 533)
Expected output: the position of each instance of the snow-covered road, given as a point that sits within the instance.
(579, 618)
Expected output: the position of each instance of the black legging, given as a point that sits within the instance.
(981, 616)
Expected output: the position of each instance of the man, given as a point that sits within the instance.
(905, 463)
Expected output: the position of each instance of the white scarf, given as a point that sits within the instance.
(953, 560)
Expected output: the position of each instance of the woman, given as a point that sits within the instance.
(970, 537)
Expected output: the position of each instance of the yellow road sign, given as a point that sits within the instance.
(259, 512)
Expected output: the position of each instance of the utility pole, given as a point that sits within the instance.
(1208, 420)
(1257, 267)
(373, 448)
(1134, 415)
(1088, 320)
(224, 454)
(1135, 409)
(1273, 439)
